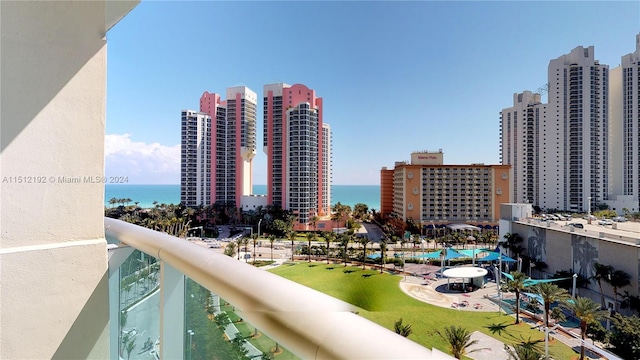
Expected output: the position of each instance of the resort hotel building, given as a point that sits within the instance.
(430, 192)
(581, 149)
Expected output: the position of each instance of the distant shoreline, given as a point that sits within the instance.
(146, 194)
(129, 184)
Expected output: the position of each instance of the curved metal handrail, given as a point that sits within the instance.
(309, 323)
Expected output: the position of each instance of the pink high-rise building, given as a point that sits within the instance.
(298, 148)
(226, 155)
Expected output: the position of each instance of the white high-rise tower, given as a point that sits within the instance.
(578, 108)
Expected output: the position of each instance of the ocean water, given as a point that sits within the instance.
(145, 195)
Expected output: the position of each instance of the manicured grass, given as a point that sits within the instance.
(383, 302)
(259, 263)
(262, 342)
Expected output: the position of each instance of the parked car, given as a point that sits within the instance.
(590, 217)
(605, 222)
(576, 225)
(619, 219)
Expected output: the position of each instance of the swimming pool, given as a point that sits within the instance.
(509, 305)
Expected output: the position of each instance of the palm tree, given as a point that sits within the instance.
(272, 239)
(587, 311)
(404, 330)
(601, 272)
(129, 346)
(254, 239)
(364, 241)
(240, 240)
(415, 239)
(459, 340)
(292, 236)
(245, 243)
(618, 279)
(383, 252)
(314, 221)
(550, 293)
(311, 236)
(558, 315)
(522, 352)
(512, 243)
(516, 284)
(328, 237)
(344, 241)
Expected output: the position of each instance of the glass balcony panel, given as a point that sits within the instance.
(138, 306)
(216, 330)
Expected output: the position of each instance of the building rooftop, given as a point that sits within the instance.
(626, 232)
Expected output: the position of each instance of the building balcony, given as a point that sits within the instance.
(158, 302)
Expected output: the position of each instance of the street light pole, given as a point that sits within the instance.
(191, 333)
(573, 291)
(499, 281)
(530, 266)
(403, 270)
(435, 239)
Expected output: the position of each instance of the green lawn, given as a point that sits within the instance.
(262, 342)
(383, 302)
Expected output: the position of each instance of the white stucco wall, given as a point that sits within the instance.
(53, 257)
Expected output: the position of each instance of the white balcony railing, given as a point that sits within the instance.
(312, 325)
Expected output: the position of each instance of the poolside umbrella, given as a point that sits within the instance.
(450, 254)
(431, 255)
(493, 256)
(472, 253)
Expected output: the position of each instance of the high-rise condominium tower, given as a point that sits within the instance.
(230, 147)
(559, 150)
(630, 97)
(578, 106)
(298, 148)
(195, 159)
(523, 128)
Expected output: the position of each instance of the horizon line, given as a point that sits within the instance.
(253, 184)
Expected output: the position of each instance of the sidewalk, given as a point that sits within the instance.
(425, 290)
(231, 331)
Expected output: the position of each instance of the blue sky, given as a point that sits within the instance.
(395, 77)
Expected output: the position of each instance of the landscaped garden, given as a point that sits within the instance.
(382, 301)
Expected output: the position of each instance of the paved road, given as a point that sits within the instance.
(374, 232)
(145, 318)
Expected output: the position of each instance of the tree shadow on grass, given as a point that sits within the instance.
(502, 330)
(348, 271)
(498, 328)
